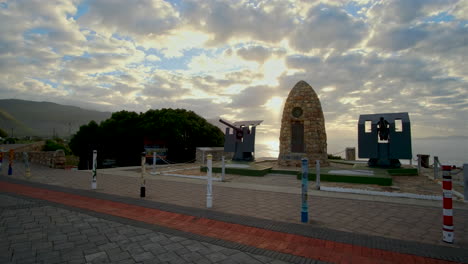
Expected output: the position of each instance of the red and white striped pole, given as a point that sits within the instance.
(447, 230)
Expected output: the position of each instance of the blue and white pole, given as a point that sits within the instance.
(305, 180)
(94, 181)
(209, 186)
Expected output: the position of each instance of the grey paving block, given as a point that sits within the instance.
(98, 256)
(215, 257)
(142, 256)
(115, 257)
(169, 257)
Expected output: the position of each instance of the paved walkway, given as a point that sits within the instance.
(34, 231)
(350, 228)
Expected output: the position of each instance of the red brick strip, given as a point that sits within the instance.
(307, 247)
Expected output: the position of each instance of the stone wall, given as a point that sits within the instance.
(217, 152)
(53, 159)
(303, 107)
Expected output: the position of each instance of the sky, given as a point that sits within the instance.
(239, 59)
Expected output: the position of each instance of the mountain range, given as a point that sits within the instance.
(21, 118)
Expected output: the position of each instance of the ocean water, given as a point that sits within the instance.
(451, 151)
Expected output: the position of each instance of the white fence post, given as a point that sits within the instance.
(223, 169)
(209, 187)
(436, 167)
(465, 181)
(94, 181)
(143, 171)
(154, 164)
(26, 165)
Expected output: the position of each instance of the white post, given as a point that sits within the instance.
(465, 180)
(94, 181)
(436, 167)
(26, 165)
(419, 164)
(317, 173)
(143, 171)
(154, 164)
(209, 187)
(223, 169)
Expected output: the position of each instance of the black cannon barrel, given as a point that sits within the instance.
(230, 125)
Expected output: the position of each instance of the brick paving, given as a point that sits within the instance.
(420, 224)
(297, 246)
(37, 232)
(391, 220)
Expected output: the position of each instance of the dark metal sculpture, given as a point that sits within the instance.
(384, 138)
(242, 140)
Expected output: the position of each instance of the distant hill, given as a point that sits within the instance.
(44, 119)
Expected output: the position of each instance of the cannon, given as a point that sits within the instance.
(242, 140)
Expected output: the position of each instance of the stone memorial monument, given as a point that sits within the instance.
(302, 128)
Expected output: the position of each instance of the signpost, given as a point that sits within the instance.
(209, 187)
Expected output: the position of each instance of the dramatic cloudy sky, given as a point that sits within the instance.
(239, 59)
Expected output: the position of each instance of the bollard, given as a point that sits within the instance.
(305, 181)
(223, 169)
(436, 167)
(10, 161)
(317, 172)
(447, 229)
(154, 164)
(419, 164)
(94, 180)
(1, 160)
(143, 181)
(209, 187)
(465, 181)
(26, 165)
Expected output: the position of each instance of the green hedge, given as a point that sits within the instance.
(238, 171)
(403, 172)
(384, 181)
(288, 172)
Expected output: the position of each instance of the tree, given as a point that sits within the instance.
(121, 136)
(3, 134)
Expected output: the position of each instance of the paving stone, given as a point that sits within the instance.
(174, 246)
(142, 256)
(216, 256)
(96, 256)
(192, 256)
(119, 256)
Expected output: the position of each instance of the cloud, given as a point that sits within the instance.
(400, 38)
(138, 18)
(240, 59)
(328, 27)
(227, 21)
(257, 53)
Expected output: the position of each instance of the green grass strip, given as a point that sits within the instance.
(384, 181)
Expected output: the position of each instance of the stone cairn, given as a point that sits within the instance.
(302, 113)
